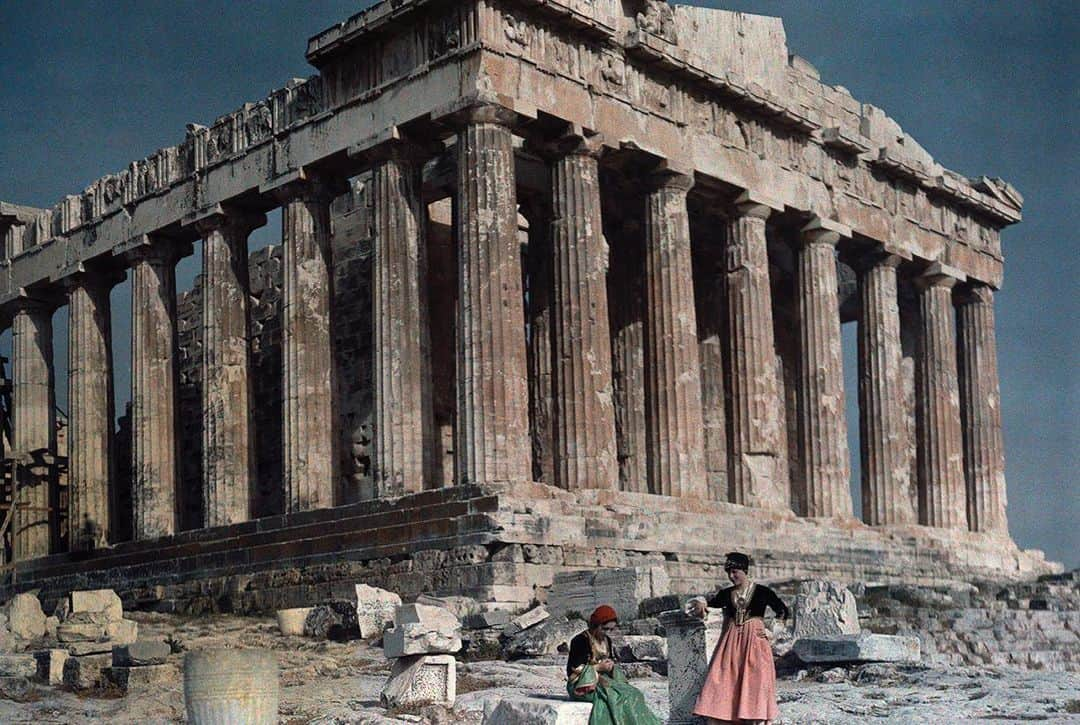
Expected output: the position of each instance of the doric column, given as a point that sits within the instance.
(539, 275)
(822, 419)
(33, 424)
(308, 435)
(628, 350)
(404, 433)
(757, 407)
(672, 365)
(980, 410)
(585, 452)
(493, 398)
(90, 412)
(883, 431)
(937, 405)
(711, 310)
(228, 435)
(153, 392)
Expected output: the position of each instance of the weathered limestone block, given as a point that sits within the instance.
(375, 609)
(865, 647)
(140, 653)
(823, 609)
(421, 629)
(145, 678)
(335, 619)
(80, 649)
(105, 601)
(486, 620)
(24, 616)
(421, 679)
(125, 631)
(534, 616)
(80, 632)
(690, 644)
(530, 711)
(641, 648)
(50, 665)
(83, 673)
(18, 665)
(623, 589)
(291, 621)
(543, 639)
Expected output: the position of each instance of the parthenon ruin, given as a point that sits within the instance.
(560, 284)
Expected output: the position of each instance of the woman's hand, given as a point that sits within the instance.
(765, 634)
(605, 666)
(696, 607)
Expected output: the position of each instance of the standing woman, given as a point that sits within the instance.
(740, 686)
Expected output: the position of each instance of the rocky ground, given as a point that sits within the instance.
(330, 682)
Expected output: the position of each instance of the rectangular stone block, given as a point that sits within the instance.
(535, 711)
(141, 653)
(690, 644)
(79, 649)
(18, 666)
(863, 647)
(422, 679)
(98, 600)
(417, 639)
(76, 632)
(50, 665)
(124, 631)
(623, 589)
(141, 678)
(83, 673)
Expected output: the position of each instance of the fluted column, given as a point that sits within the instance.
(674, 421)
(90, 413)
(153, 392)
(541, 402)
(937, 406)
(980, 410)
(757, 407)
(628, 353)
(404, 434)
(492, 413)
(585, 453)
(309, 470)
(33, 425)
(883, 432)
(228, 434)
(822, 417)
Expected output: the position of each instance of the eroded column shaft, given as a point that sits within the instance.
(226, 384)
(492, 413)
(90, 415)
(404, 440)
(153, 395)
(757, 408)
(883, 431)
(585, 452)
(980, 410)
(628, 358)
(822, 417)
(33, 425)
(306, 345)
(937, 407)
(672, 365)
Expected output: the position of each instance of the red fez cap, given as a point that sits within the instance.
(602, 615)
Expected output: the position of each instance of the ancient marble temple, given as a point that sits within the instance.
(560, 283)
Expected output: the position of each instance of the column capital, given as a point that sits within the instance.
(939, 275)
(394, 144)
(875, 258)
(146, 247)
(573, 141)
(78, 276)
(483, 112)
(668, 180)
(753, 203)
(821, 230)
(302, 185)
(224, 218)
(974, 293)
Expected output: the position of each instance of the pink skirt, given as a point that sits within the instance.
(741, 682)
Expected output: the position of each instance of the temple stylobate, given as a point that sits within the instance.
(560, 284)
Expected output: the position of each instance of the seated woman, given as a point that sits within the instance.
(740, 686)
(592, 676)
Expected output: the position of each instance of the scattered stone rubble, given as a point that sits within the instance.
(421, 643)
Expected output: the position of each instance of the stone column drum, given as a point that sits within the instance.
(756, 402)
(404, 433)
(883, 430)
(306, 346)
(228, 434)
(822, 417)
(33, 424)
(493, 398)
(90, 413)
(585, 452)
(153, 392)
(937, 407)
(674, 419)
(980, 410)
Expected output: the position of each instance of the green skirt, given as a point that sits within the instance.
(615, 701)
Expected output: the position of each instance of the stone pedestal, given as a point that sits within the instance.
(90, 413)
(493, 398)
(822, 415)
(306, 346)
(690, 643)
(757, 407)
(980, 410)
(33, 425)
(585, 451)
(228, 439)
(937, 406)
(404, 428)
(883, 429)
(153, 392)
(674, 419)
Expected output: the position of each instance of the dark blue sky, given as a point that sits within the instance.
(986, 87)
